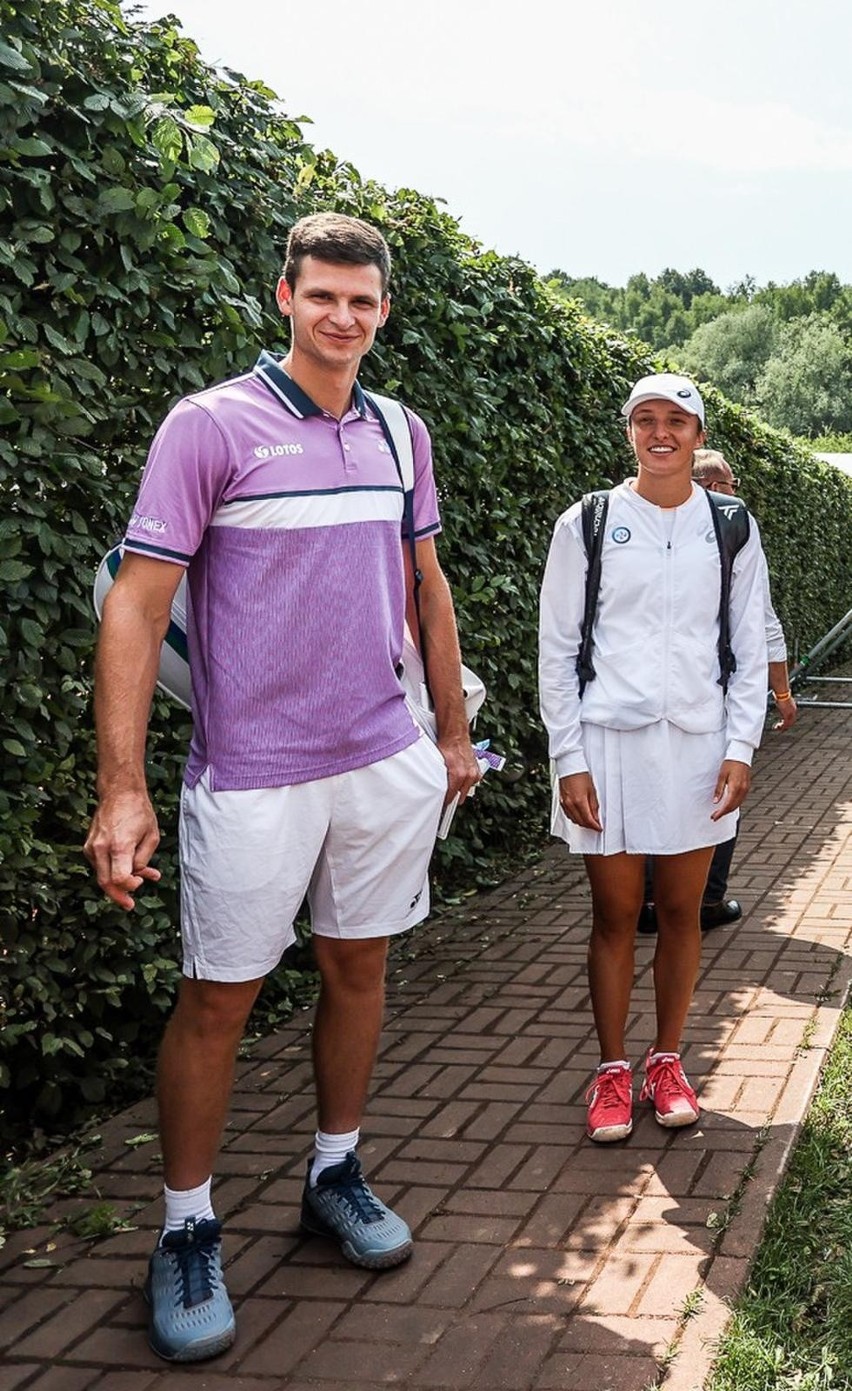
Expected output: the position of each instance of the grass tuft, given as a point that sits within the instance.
(792, 1327)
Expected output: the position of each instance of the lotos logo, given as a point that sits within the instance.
(276, 451)
(620, 535)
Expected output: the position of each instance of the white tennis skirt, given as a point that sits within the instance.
(655, 786)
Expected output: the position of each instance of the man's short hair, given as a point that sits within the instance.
(337, 238)
(710, 463)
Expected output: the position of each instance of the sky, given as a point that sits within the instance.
(601, 138)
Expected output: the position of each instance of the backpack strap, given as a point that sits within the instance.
(732, 528)
(393, 418)
(594, 508)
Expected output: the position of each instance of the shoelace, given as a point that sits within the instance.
(666, 1079)
(613, 1090)
(195, 1282)
(355, 1192)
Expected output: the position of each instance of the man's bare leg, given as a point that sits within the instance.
(196, 1073)
(347, 1027)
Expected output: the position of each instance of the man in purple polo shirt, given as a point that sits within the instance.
(280, 495)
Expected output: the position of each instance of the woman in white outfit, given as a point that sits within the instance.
(654, 757)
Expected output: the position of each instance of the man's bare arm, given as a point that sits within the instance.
(124, 834)
(779, 684)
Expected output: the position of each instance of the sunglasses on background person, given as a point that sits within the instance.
(719, 485)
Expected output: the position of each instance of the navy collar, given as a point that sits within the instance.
(273, 376)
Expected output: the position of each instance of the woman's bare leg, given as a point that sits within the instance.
(678, 888)
(617, 883)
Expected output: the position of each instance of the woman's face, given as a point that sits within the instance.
(663, 437)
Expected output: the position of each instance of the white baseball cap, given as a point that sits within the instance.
(666, 386)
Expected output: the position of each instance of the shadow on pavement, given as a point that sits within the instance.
(541, 1261)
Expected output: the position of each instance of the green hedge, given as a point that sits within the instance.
(144, 204)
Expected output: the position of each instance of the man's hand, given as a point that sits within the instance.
(732, 786)
(787, 713)
(463, 771)
(579, 800)
(122, 838)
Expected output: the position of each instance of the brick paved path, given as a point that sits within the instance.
(541, 1261)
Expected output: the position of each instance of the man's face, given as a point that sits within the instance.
(335, 310)
(720, 481)
(664, 437)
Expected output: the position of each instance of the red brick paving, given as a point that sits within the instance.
(542, 1263)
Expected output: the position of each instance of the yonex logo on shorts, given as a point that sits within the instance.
(276, 451)
(620, 534)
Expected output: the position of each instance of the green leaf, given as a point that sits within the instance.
(203, 154)
(167, 138)
(197, 222)
(31, 93)
(39, 235)
(147, 199)
(116, 200)
(56, 339)
(19, 361)
(33, 147)
(200, 116)
(14, 570)
(11, 58)
(144, 1139)
(113, 161)
(15, 748)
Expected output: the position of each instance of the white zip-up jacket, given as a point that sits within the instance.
(656, 631)
(776, 644)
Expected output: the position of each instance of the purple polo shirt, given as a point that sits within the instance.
(290, 524)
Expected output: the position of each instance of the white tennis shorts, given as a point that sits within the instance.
(357, 844)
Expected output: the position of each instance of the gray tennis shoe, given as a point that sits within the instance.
(191, 1315)
(343, 1207)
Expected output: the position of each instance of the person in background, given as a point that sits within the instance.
(652, 756)
(712, 471)
(278, 493)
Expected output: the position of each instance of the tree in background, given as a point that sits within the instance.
(662, 312)
(805, 386)
(732, 350)
(820, 291)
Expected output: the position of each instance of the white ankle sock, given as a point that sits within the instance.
(331, 1149)
(617, 1062)
(186, 1202)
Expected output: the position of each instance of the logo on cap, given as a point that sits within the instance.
(685, 393)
